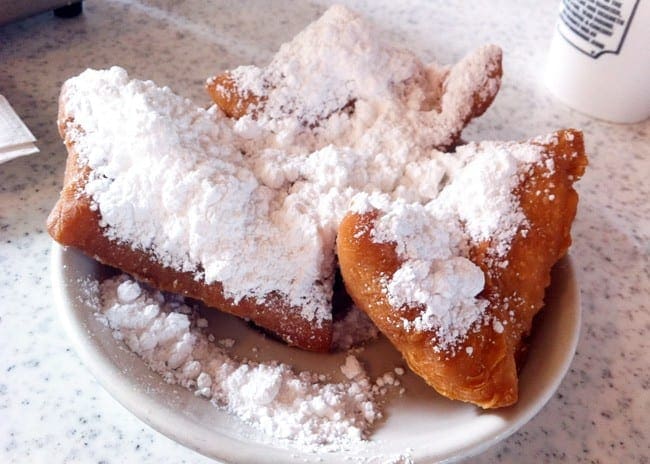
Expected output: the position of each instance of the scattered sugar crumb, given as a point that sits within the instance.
(227, 342)
(352, 368)
(497, 326)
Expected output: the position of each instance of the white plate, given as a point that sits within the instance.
(419, 424)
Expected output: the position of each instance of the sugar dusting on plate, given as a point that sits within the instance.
(305, 410)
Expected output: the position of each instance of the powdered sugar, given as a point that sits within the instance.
(446, 289)
(328, 66)
(302, 408)
(140, 138)
(338, 82)
(476, 204)
(255, 203)
(481, 194)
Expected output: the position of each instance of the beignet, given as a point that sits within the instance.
(338, 79)
(454, 293)
(157, 188)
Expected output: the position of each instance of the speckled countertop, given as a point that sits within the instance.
(52, 409)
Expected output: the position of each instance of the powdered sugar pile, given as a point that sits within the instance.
(476, 204)
(302, 408)
(337, 82)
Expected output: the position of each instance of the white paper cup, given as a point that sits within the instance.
(599, 59)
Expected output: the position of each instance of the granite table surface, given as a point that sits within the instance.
(52, 409)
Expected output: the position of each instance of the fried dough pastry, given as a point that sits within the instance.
(76, 221)
(479, 367)
(338, 65)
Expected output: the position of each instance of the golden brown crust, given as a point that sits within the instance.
(488, 376)
(73, 222)
(482, 96)
(223, 91)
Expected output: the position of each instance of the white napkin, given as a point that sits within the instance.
(15, 138)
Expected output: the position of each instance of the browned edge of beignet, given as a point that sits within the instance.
(224, 92)
(487, 376)
(482, 95)
(73, 222)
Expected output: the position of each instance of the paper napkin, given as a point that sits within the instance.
(15, 138)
